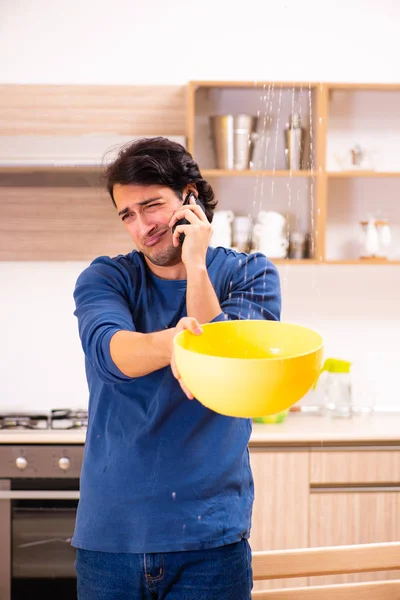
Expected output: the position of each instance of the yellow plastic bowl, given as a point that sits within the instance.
(249, 368)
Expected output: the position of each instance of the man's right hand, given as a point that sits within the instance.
(138, 354)
(193, 326)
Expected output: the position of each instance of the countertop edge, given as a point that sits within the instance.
(296, 431)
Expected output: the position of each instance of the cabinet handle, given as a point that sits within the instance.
(39, 495)
(354, 488)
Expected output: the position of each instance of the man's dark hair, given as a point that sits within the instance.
(159, 161)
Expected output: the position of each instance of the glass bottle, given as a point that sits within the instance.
(337, 387)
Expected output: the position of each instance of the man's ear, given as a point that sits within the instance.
(191, 187)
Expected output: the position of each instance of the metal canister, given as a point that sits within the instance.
(294, 143)
(234, 137)
(297, 245)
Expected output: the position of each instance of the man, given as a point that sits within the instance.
(166, 485)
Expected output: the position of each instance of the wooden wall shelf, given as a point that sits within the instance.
(74, 169)
(332, 109)
(308, 261)
(293, 261)
(258, 85)
(369, 174)
(328, 196)
(365, 261)
(254, 173)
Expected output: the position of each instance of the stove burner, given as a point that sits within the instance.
(24, 421)
(55, 419)
(69, 419)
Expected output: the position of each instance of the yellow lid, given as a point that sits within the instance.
(336, 365)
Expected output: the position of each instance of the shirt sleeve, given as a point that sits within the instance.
(102, 310)
(254, 291)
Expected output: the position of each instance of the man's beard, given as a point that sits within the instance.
(169, 257)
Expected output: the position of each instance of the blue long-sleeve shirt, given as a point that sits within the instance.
(160, 472)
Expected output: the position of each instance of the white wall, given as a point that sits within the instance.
(158, 42)
(128, 41)
(41, 357)
(356, 310)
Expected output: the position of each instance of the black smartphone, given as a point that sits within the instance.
(185, 221)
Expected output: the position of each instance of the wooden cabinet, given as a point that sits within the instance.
(354, 499)
(349, 516)
(53, 139)
(280, 514)
(53, 222)
(325, 497)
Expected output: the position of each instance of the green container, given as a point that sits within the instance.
(277, 418)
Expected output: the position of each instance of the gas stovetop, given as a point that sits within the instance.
(56, 419)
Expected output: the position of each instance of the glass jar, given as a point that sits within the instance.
(337, 395)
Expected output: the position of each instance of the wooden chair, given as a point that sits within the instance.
(333, 560)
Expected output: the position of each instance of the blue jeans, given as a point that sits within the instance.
(214, 574)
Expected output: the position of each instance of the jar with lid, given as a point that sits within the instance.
(335, 378)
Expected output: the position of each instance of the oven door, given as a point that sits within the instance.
(42, 524)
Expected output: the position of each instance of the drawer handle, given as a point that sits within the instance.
(354, 488)
(39, 495)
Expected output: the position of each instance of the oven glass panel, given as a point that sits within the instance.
(42, 556)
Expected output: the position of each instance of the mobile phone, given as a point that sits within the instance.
(185, 221)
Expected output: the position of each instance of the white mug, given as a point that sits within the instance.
(223, 216)
(272, 245)
(272, 221)
(222, 228)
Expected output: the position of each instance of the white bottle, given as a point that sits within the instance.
(371, 239)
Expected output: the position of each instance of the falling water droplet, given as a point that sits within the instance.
(199, 518)
(173, 495)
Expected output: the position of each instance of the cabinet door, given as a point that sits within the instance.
(280, 514)
(354, 467)
(342, 517)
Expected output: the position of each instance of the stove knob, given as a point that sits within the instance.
(21, 462)
(64, 463)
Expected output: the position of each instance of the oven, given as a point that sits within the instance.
(39, 492)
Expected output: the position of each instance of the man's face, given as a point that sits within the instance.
(146, 212)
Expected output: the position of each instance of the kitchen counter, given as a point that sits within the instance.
(47, 436)
(296, 430)
(306, 430)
